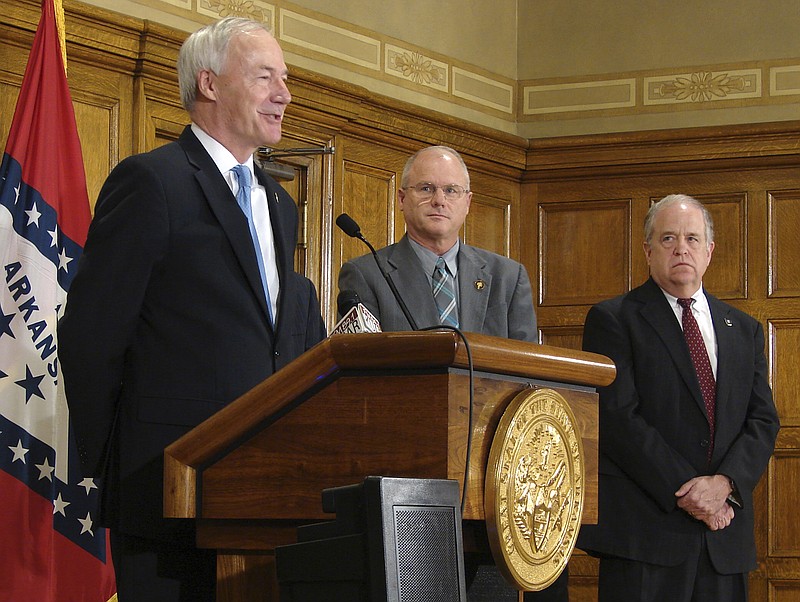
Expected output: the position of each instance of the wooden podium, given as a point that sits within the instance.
(388, 404)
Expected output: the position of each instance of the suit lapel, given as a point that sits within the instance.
(725, 330)
(284, 257)
(223, 205)
(473, 300)
(659, 314)
(410, 279)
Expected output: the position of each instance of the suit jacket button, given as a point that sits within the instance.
(704, 443)
(277, 353)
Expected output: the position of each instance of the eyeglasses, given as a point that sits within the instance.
(426, 191)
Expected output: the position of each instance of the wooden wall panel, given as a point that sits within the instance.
(487, 224)
(569, 337)
(159, 120)
(370, 200)
(784, 528)
(783, 346)
(103, 104)
(592, 236)
(9, 90)
(784, 243)
(784, 591)
(369, 197)
(728, 278)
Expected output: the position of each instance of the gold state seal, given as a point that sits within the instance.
(534, 489)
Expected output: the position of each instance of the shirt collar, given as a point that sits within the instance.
(700, 300)
(428, 258)
(222, 157)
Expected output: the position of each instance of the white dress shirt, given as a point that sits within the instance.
(225, 162)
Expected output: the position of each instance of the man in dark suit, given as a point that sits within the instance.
(182, 302)
(491, 294)
(686, 429)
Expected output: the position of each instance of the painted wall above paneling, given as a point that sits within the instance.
(539, 68)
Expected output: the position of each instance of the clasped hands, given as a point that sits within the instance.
(705, 499)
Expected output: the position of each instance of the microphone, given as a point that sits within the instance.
(355, 317)
(349, 226)
(346, 301)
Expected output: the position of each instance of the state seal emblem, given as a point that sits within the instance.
(534, 489)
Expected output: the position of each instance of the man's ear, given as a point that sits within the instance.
(206, 84)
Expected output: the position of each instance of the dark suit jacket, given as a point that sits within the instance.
(654, 431)
(166, 320)
(494, 291)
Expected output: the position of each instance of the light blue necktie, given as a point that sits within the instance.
(444, 294)
(243, 199)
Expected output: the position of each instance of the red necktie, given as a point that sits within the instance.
(702, 365)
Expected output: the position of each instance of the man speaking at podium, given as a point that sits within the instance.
(444, 280)
(185, 298)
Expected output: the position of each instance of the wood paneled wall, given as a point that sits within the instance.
(570, 209)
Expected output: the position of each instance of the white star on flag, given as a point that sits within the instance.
(45, 470)
(33, 215)
(63, 260)
(86, 524)
(59, 505)
(88, 484)
(19, 452)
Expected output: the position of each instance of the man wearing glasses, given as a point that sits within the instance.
(444, 281)
(485, 292)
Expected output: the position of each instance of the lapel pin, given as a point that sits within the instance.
(728, 322)
(480, 284)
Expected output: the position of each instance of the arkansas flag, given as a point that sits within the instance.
(51, 550)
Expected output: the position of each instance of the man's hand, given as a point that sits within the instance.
(704, 498)
(721, 519)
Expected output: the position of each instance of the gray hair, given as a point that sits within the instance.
(442, 149)
(670, 200)
(207, 48)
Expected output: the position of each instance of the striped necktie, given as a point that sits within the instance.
(243, 199)
(444, 294)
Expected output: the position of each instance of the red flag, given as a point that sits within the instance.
(51, 549)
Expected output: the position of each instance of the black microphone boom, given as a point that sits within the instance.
(349, 226)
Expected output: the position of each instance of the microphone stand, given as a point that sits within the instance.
(349, 226)
(395, 292)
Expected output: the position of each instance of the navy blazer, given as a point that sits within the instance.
(494, 291)
(166, 320)
(654, 432)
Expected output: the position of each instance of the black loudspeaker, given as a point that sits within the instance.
(393, 540)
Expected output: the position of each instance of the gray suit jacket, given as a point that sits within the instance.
(654, 431)
(494, 295)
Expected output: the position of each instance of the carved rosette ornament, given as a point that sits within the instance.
(534, 489)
